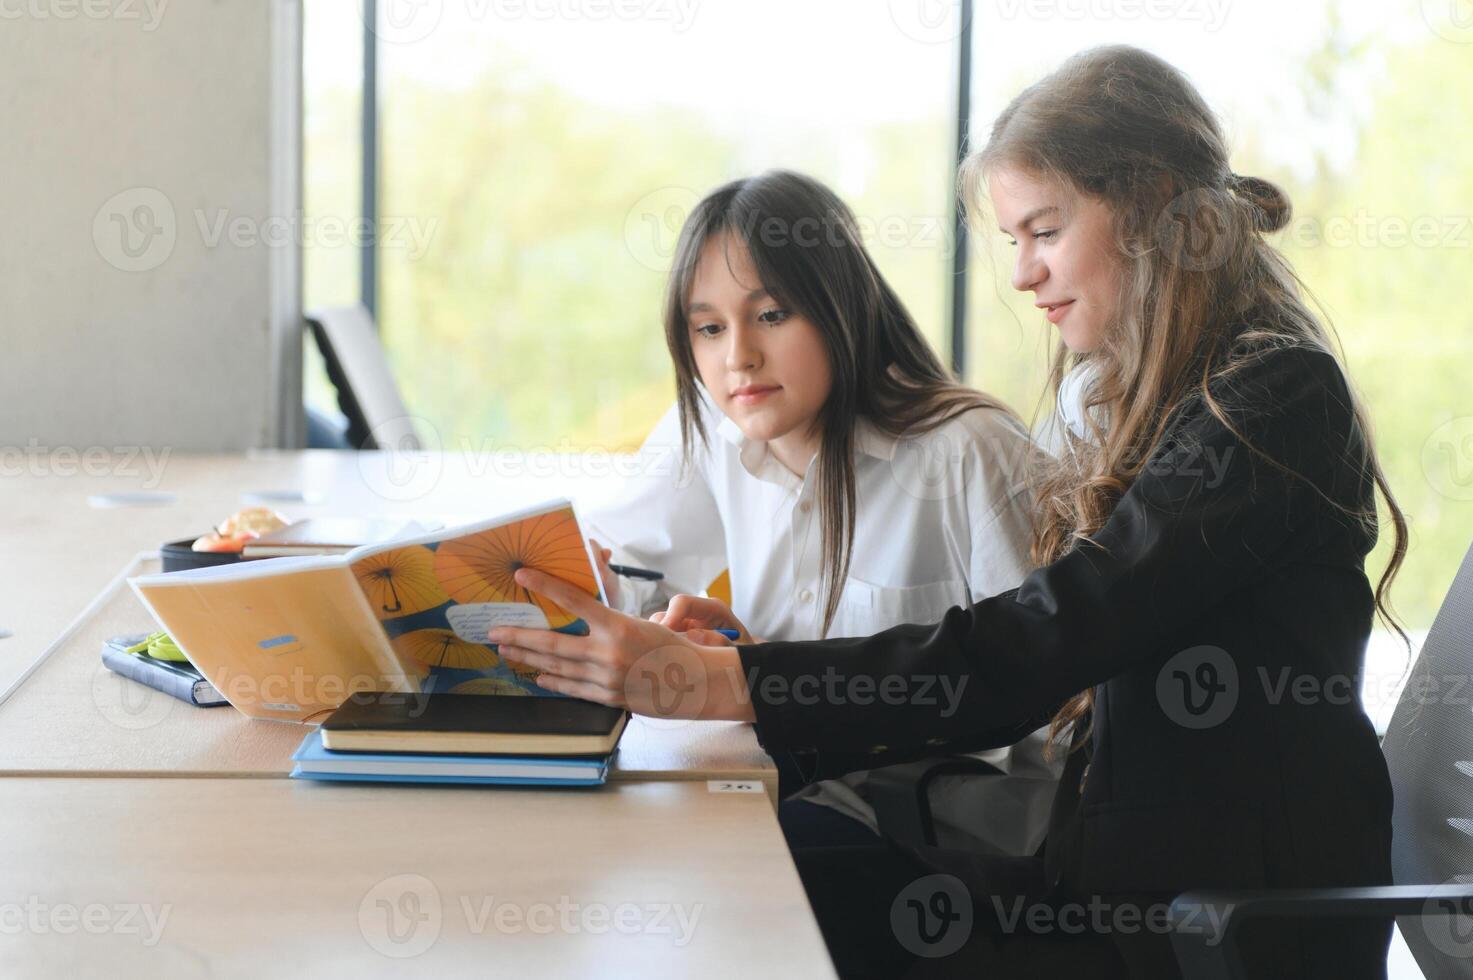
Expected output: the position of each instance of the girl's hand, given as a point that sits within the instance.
(606, 576)
(700, 617)
(626, 662)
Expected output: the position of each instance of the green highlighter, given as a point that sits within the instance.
(159, 646)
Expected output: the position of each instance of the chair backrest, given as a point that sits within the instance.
(1429, 751)
(367, 394)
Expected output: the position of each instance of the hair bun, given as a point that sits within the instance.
(1270, 205)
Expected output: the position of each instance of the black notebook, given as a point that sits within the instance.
(481, 724)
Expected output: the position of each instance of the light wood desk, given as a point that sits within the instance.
(268, 874)
(247, 878)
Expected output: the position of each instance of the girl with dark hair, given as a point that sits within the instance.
(1201, 611)
(821, 454)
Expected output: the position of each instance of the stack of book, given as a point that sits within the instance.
(409, 615)
(463, 738)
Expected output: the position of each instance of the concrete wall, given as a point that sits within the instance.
(149, 266)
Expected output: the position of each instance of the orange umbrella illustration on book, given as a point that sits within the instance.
(442, 648)
(480, 568)
(400, 582)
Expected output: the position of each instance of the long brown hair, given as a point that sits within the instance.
(807, 250)
(1201, 294)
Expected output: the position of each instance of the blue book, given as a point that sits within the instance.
(313, 761)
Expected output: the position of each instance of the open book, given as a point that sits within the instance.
(293, 638)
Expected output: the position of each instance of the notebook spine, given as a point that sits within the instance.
(195, 690)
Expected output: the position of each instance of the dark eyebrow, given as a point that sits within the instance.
(1032, 216)
(757, 293)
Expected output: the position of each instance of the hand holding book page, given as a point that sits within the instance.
(627, 662)
(292, 638)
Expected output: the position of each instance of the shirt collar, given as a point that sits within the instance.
(751, 452)
(870, 440)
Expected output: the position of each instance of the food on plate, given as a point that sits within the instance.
(242, 526)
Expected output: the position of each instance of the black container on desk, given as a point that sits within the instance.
(180, 555)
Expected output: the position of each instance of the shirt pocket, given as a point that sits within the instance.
(866, 608)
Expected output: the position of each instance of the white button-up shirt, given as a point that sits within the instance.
(942, 520)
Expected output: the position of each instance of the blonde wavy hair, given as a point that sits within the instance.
(1201, 294)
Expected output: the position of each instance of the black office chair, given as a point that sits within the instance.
(367, 394)
(1429, 751)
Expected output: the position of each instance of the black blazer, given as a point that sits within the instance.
(1221, 616)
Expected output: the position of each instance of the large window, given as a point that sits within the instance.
(537, 160)
(333, 229)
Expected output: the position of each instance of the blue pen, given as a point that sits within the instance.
(729, 634)
(628, 571)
